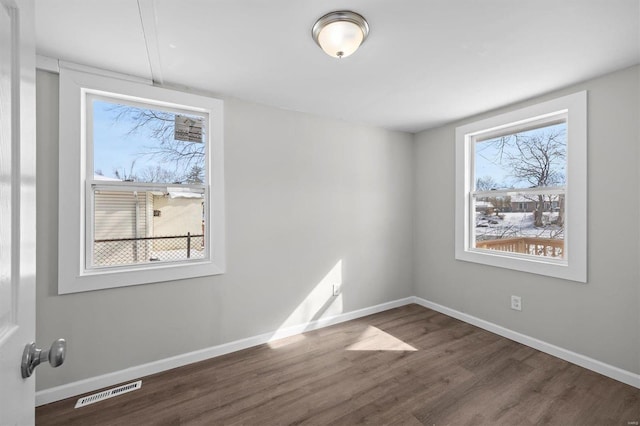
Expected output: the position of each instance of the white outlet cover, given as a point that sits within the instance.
(516, 303)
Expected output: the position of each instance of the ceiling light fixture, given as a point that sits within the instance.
(340, 33)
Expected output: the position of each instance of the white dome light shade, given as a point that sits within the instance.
(340, 34)
(340, 39)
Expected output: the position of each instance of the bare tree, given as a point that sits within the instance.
(124, 175)
(486, 183)
(195, 175)
(501, 203)
(158, 174)
(160, 126)
(537, 158)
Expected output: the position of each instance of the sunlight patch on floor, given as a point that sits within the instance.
(280, 343)
(374, 339)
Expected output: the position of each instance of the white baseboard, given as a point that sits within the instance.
(58, 393)
(616, 373)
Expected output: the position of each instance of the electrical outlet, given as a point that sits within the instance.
(336, 289)
(516, 303)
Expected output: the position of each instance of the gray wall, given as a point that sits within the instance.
(599, 319)
(306, 196)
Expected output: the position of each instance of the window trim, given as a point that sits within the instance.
(91, 184)
(574, 267)
(73, 275)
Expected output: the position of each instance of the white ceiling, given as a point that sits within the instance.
(425, 63)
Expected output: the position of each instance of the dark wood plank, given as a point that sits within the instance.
(457, 374)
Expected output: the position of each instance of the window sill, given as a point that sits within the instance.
(127, 276)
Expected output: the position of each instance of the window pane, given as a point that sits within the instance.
(138, 144)
(527, 159)
(529, 224)
(134, 227)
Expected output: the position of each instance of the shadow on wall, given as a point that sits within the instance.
(319, 303)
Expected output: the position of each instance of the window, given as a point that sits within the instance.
(141, 184)
(521, 189)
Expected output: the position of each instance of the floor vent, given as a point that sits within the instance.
(101, 396)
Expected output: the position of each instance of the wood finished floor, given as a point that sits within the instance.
(363, 371)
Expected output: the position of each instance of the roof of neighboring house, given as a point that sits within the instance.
(177, 192)
(100, 177)
(529, 198)
(483, 204)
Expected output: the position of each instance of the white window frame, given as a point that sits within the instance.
(74, 274)
(573, 266)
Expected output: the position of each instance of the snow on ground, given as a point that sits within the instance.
(178, 254)
(509, 225)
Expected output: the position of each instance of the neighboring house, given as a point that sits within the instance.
(482, 206)
(129, 225)
(119, 216)
(177, 213)
(520, 203)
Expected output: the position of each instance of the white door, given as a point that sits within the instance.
(17, 208)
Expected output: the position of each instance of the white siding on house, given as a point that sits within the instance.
(178, 216)
(116, 214)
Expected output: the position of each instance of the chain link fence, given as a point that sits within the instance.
(130, 251)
